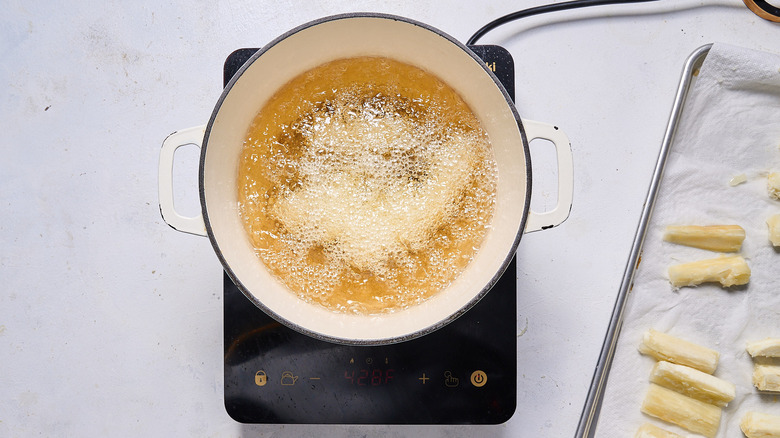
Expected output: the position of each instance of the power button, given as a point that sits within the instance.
(478, 378)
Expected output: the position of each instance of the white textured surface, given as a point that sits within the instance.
(110, 321)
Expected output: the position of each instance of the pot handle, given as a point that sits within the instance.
(556, 216)
(193, 225)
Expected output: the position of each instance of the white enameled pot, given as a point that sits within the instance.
(342, 36)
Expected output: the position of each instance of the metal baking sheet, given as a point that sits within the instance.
(590, 412)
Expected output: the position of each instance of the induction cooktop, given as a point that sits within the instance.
(463, 373)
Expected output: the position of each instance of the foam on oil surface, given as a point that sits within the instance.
(366, 185)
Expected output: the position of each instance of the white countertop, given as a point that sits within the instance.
(111, 322)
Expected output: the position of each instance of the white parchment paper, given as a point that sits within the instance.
(730, 126)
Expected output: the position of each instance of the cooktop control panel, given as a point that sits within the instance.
(464, 373)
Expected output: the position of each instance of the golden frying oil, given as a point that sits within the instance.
(366, 185)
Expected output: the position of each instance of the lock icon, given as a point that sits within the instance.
(261, 378)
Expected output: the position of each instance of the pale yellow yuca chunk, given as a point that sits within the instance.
(769, 347)
(726, 270)
(760, 425)
(648, 430)
(773, 185)
(686, 412)
(721, 238)
(774, 229)
(737, 180)
(693, 383)
(766, 377)
(663, 346)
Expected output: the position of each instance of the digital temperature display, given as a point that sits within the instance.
(369, 377)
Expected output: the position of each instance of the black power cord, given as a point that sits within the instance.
(542, 10)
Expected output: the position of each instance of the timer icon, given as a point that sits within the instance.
(478, 378)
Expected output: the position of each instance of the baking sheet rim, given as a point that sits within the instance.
(589, 417)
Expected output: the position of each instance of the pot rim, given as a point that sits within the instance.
(347, 341)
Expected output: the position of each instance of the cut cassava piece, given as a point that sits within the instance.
(693, 383)
(737, 180)
(774, 229)
(721, 238)
(663, 346)
(726, 270)
(773, 185)
(686, 412)
(769, 347)
(760, 425)
(648, 430)
(766, 377)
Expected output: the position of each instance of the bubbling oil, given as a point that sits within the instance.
(366, 185)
